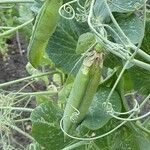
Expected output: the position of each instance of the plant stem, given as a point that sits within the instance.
(15, 28)
(143, 54)
(21, 94)
(20, 131)
(21, 120)
(15, 1)
(3, 27)
(140, 126)
(144, 102)
(27, 78)
(18, 108)
(146, 121)
(76, 145)
(141, 64)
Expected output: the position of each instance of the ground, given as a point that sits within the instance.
(14, 68)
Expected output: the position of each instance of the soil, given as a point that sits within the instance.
(11, 69)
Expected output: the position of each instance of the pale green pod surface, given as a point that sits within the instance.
(82, 93)
(95, 77)
(45, 25)
(85, 41)
(75, 97)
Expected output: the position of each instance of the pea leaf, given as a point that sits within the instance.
(144, 143)
(132, 26)
(126, 5)
(112, 61)
(49, 136)
(97, 116)
(146, 41)
(45, 129)
(100, 10)
(62, 45)
(124, 138)
(141, 79)
(47, 112)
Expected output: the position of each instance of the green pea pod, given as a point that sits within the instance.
(44, 27)
(95, 77)
(83, 90)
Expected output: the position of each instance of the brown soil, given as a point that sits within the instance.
(11, 69)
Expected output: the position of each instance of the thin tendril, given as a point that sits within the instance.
(67, 8)
(74, 115)
(110, 109)
(78, 2)
(132, 119)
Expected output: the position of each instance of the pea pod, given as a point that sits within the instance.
(44, 27)
(83, 90)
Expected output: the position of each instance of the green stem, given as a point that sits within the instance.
(18, 108)
(140, 126)
(27, 78)
(146, 121)
(141, 64)
(21, 94)
(76, 145)
(142, 53)
(144, 102)
(20, 131)
(15, 1)
(95, 146)
(15, 28)
(3, 27)
(21, 120)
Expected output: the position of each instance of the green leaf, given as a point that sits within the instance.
(124, 138)
(144, 143)
(100, 11)
(49, 136)
(128, 82)
(85, 41)
(46, 112)
(147, 123)
(125, 5)
(132, 26)
(146, 41)
(62, 45)
(45, 129)
(43, 98)
(141, 80)
(148, 15)
(97, 116)
(25, 15)
(112, 61)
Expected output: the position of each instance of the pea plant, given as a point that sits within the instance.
(99, 54)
